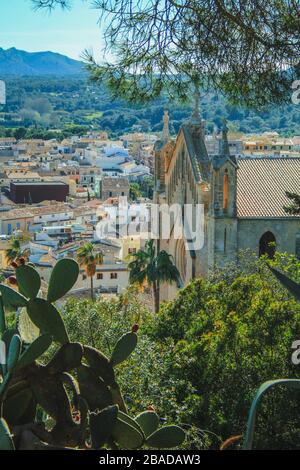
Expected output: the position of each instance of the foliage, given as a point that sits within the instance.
(230, 335)
(151, 268)
(15, 250)
(89, 259)
(294, 289)
(146, 378)
(85, 406)
(248, 49)
(294, 208)
(134, 191)
(75, 100)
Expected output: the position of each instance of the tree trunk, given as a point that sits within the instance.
(155, 290)
(92, 288)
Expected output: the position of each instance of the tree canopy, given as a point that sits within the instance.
(249, 49)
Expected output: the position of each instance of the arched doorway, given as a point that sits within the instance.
(267, 245)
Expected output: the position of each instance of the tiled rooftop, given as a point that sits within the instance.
(262, 183)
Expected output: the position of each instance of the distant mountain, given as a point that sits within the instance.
(21, 63)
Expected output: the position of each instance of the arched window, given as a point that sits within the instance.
(225, 191)
(267, 245)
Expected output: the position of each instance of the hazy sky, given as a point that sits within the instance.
(67, 32)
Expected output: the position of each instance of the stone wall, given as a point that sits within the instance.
(285, 231)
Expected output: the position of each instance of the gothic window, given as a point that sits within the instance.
(225, 240)
(225, 191)
(267, 245)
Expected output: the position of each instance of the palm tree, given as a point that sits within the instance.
(88, 258)
(151, 268)
(15, 251)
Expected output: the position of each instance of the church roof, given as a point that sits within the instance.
(262, 183)
(197, 152)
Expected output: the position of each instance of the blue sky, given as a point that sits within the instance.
(66, 32)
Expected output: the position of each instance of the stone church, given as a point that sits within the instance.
(243, 200)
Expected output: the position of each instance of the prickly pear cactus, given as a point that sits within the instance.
(77, 389)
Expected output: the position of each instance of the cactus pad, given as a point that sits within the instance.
(100, 363)
(166, 437)
(47, 318)
(149, 421)
(67, 358)
(102, 424)
(29, 281)
(16, 405)
(124, 347)
(14, 352)
(34, 351)
(93, 389)
(127, 436)
(63, 278)
(12, 298)
(6, 442)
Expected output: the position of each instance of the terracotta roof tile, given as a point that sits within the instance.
(262, 183)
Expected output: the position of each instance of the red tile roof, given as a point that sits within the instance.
(262, 183)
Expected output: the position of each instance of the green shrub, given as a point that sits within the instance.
(230, 335)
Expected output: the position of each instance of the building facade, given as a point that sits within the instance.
(35, 192)
(242, 201)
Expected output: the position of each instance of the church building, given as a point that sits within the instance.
(243, 200)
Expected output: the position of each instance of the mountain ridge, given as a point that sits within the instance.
(16, 62)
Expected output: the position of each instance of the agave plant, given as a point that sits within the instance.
(77, 388)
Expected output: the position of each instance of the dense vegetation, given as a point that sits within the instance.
(200, 361)
(39, 104)
(72, 399)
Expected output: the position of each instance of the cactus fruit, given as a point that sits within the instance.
(34, 351)
(166, 437)
(102, 424)
(6, 442)
(13, 352)
(12, 298)
(100, 363)
(63, 278)
(67, 358)
(13, 281)
(14, 265)
(149, 421)
(29, 281)
(123, 348)
(22, 261)
(47, 318)
(135, 328)
(151, 408)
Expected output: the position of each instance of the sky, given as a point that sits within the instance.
(68, 32)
